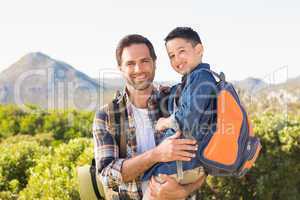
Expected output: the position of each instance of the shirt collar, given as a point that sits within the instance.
(200, 66)
(124, 95)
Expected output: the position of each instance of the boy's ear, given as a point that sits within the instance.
(199, 49)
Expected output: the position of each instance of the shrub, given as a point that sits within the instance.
(16, 159)
(54, 177)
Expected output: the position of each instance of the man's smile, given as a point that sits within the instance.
(139, 77)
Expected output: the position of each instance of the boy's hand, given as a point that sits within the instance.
(162, 124)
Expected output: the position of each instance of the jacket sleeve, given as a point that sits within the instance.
(195, 98)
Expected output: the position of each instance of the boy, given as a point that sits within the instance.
(192, 103)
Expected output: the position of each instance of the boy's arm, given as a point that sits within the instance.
(194, 99)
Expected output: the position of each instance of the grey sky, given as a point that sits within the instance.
(242, 38)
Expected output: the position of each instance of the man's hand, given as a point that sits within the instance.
(170, 189)
(172, 149)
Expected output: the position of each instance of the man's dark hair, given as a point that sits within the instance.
(186, 33)
(133, 39)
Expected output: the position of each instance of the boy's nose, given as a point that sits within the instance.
(177, 60)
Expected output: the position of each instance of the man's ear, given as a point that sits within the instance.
(154, 64)
(120, 67)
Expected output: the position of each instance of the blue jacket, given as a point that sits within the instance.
(194, 111)
(192, 105)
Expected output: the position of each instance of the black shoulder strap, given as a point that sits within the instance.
(121, 117)
(94, 180)
(220, 76)
(123, 127)
(116, 112)
(117, 117)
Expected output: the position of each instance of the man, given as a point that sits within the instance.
(140, 102)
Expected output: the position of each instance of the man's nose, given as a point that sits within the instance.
(137, 68)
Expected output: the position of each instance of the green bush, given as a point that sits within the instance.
(69, 124)
(54, 177)
(16, 159)
(43, 139)
(64, 125)
(43, 166)
(10, 116)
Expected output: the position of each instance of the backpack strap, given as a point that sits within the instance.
(94, 180)
(119, 118)
(220, 76)
(180, 86)
(122, 121)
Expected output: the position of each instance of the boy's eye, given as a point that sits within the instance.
(171, 56)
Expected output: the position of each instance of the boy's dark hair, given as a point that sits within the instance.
(133, 39)
(186, 33)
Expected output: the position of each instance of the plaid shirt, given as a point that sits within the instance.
(107, 143)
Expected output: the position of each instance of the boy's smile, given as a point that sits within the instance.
(184, 57)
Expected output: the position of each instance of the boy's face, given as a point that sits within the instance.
(184, 57)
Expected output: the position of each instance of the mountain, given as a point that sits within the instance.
(39, 79)
(250, 84)
(52, 84)
(295, 82)
(260, 96)
(111, 83)
(284, 93)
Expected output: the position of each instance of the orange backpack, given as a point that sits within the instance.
(232, 149)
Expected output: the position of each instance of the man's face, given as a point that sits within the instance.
(184, 57)
(137, 67)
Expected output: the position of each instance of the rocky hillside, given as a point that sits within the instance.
(39, 79)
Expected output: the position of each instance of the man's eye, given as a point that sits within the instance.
(130, 64)
(171, 56)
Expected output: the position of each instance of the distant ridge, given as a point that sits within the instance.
(250, 84)
(37, 78)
